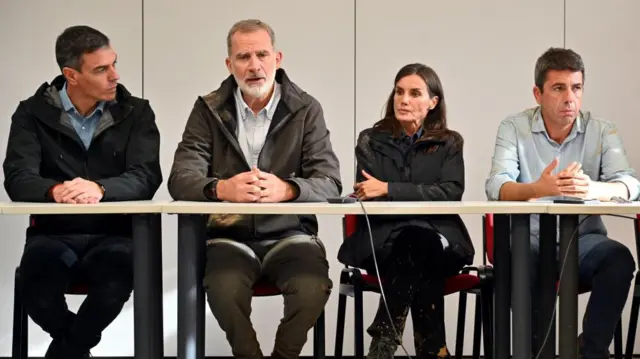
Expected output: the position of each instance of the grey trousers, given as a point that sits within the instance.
(297, 265)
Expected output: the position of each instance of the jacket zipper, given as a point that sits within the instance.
(269, 135)
(236, 146)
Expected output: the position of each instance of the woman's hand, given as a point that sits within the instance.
(371, 188)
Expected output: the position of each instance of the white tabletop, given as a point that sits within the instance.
(127, 207)
(596, 208)
(319, 208)
(373, 208)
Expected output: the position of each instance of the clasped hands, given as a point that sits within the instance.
(77, 191)
(569, 182)
(256, 186)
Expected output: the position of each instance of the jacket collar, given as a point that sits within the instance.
(292, 95)
(222, 100)
(386, 138)
(122, 94)
(68, 105)
(47, 106)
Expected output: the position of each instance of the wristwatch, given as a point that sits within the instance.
(211, 190)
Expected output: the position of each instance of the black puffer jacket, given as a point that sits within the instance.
(414, 175)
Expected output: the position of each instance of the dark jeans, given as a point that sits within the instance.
(606, 267)
(297, 265)
(413, 274)
(48, 265)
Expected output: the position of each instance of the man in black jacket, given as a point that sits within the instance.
(81, 139)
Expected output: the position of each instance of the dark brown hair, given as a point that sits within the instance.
(558, 59)
(76, 41)
(435, 124)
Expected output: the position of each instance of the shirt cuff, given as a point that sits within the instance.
(633, 186)
(494, 184)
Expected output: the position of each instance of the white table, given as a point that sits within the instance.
(191, 243)
(597, 208)
(511, 260)
(147, 263)
(130, 207)
(373, 208)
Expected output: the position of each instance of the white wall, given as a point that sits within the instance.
(484, 53)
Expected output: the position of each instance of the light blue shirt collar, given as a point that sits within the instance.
(68, 106)
(538, 123)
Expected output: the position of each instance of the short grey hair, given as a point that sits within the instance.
(250, 25)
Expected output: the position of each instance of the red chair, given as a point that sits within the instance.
(617, 340)
(353, 283)
(265, 289)
(20, 346)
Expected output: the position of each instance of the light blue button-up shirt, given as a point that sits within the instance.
(252, 129)
(85, 126)
(524, 149)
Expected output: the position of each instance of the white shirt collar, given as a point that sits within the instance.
(269, 109)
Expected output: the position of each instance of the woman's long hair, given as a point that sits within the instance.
(435, 123)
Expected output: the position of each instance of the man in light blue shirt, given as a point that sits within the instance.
(557, 149)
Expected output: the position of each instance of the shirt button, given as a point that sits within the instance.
(83, 127)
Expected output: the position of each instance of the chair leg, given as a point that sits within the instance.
(342, 309)
(486, 295)
(477, 328)
(20, 323)
(358, 324)
(319, 338)
(462, 311)
(633, 319)
(617, 341)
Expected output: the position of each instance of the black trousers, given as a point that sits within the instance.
(48, 266)
(413, 274)
(606, 266)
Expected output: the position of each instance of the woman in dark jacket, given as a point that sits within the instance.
(411, 155)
